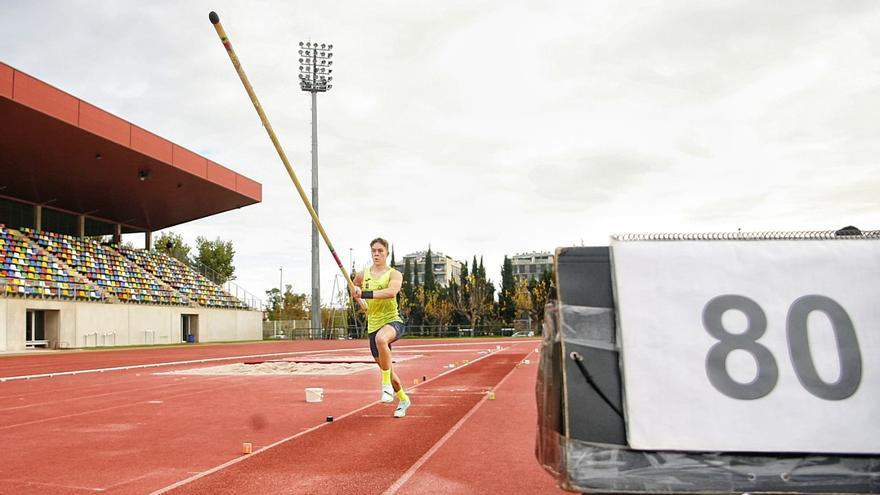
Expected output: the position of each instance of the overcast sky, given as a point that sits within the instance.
(490, 128)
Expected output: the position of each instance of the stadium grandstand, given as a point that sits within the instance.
(74, 179)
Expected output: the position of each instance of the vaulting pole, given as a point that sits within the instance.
(215, 20)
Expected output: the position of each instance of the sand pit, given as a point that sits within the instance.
(277, 368)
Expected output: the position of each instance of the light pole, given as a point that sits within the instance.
(315, 62)
(281, 299)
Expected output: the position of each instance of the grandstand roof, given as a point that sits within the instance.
(65, 153)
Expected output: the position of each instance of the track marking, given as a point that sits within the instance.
(236, 460)
(401, 347)
(115, 485)
(83, 413)
(53, 485)
(93, 397)
(427, 455)
(391, 416)
(156, 365)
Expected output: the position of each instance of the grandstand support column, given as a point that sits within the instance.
(316, 256)
(38, 217)
(148, 240)
(117, 235)
(81, 227)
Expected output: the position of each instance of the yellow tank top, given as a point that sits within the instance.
(380, 312)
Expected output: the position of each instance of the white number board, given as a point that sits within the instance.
(750, 346)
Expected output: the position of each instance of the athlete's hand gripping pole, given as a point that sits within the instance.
(215, 20)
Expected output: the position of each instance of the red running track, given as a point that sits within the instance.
(39, 361)
(136, 431)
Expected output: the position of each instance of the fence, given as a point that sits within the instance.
(302, 330)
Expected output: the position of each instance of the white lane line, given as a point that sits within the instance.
(229, 358)
(130, 480)
(120, 406)
(236, 460)
(52, 485)
(156, 365)
(391, 416)
(427, 455)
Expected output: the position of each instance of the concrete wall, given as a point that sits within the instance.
(83, 324)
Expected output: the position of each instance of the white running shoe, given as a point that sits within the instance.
(387, 394)
(401, 408)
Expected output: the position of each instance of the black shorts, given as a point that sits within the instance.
(399, 331)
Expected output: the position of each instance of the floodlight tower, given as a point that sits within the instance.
(315, 62)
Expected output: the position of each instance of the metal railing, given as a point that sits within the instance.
(301, 330)
(233, 289)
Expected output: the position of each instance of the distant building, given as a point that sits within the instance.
(531, 266)
(445, 268)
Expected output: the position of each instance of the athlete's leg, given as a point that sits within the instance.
(387, 387)
(386, 336)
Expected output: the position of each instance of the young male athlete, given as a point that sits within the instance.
(379, 285)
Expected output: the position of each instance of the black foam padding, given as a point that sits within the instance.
(590, 418)
(584, 280)
(584, 276)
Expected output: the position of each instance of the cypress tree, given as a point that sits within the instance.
(506, 306)
(407, 280)
(430, 283)
(464, 285)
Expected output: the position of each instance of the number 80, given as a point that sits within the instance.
(798, 346)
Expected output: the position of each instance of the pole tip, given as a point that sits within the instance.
(214, 18)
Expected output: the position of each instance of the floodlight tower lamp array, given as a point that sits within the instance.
(315, 66)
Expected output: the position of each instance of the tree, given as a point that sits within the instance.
(430, 282)
(506, 305)
(479, 307)
(172, 244)
(407, 286)
(464, 288)
(522, 298)
(216, 255)
(291, 306)
(415, 283)
(417, 307)
(488, 288)
(454, 297)
(540, 291)
(294, 305)
(438, 308)
(273, 304)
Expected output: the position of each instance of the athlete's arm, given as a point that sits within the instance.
(358, 282)
(393, 287)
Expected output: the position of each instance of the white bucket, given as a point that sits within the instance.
(314, 394)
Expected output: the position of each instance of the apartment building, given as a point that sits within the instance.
(531, 266)
(445, 268)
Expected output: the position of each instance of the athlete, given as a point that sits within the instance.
(379, 284)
